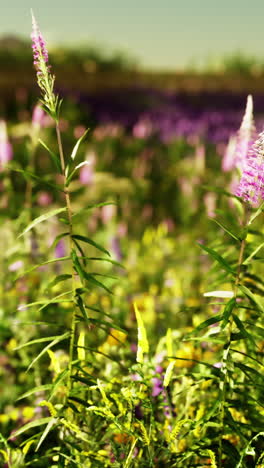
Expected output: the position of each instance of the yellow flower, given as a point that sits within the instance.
(4, 418)
(28, 412)
(14, 414)
(11, 345)
(115, 337)
(187, 351)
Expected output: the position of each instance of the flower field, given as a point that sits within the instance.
(131, 277)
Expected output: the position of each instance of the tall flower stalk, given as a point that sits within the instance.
(51, 105)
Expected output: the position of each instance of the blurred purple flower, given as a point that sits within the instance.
(38, 117)
(228, 159)
(60, 249)
(157, 386)
(115, 247)
(16, 265)
(86, 175)
(210, 204)
(44, 199)
(107, 213)
(6, 151)
(142, 129)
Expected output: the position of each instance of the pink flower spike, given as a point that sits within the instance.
(40, 51)
(245, 137)
(44, 77)
(251, 185)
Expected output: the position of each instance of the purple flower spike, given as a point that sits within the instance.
(40, 51)
(44, 77)
(239, 146)
(246, 136)
(251, 185)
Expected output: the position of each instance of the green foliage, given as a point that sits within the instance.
(120, 359)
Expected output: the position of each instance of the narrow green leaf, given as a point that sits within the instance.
(50, 345)
(58, 238)
(30, 425)
(249, 370)
(70, 176)
(40, 388)
(42, 218)
(248, 259)
(91, 242)
(54, 157)
(227, 230)
(228, 311)
(42, 180)
(207, 323)
(76, 147)
(57, 382)
(218, 258)
(108, 325)
(58, 279)
(90, 207)
(82, 308)
(53, 260)
(46, 431)
(242, 329)
(106, 260)
(45, 303)
(87, 276)
(36, 341)
(251, 296)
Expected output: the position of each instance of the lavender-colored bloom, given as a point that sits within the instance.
(38, 117)
(86, 175)
(244, 140)
(6, 152)
(16, 265)
(40, 52)
(44, 77)
(157, 386)
(228, 159)
(251, 185)
(60, 249)
(116, 249)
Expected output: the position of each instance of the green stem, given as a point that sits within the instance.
(223, 383)
(69, 214)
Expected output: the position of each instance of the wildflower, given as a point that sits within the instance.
(240, 145)
(246, 135)
(251, 185)
(44, 77)
(6, 151)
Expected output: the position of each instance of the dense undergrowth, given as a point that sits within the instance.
(131, 299)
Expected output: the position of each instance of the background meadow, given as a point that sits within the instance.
(158, 375)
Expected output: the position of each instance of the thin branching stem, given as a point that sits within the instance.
(223, 383)
(69, 214)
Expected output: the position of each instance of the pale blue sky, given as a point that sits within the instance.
(160, 33)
